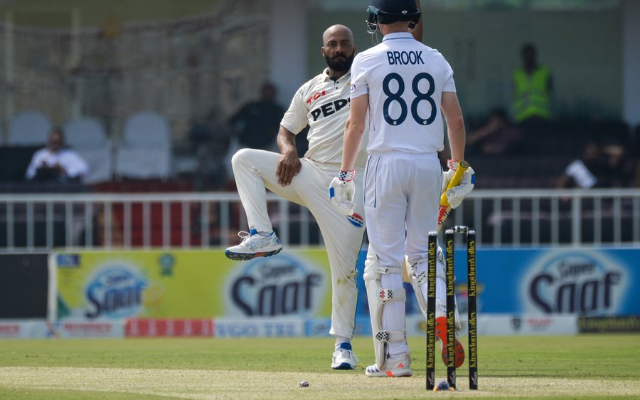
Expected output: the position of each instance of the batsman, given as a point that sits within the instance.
(399, 91)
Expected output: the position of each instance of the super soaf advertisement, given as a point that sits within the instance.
(583, 281)
(284, 285)
(112, 285)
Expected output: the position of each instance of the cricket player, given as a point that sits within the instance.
(398, 90)
(323, 104)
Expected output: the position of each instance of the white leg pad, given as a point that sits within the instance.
(378, 297)
(417, 272)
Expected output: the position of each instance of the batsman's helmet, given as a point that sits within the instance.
(390, 11)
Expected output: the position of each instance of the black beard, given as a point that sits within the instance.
(340, 66)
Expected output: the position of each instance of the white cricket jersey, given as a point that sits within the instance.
(410, 78)
(323, 104)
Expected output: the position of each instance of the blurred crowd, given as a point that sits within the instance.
(518, 145)
(547, 153)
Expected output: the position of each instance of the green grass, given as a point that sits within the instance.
(563, 367)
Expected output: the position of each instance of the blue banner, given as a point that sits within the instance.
(584, 281)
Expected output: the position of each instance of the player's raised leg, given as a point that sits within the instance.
(255, 171)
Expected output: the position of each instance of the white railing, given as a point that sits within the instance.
(502, 218)
(553, 217)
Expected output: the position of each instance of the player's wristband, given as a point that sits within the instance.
(347, 176)
(452, 164)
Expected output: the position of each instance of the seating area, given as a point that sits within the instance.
(89, 138)
(548, 148)
(145, 148)
(29, 128)
(142, 153)
(140, 158)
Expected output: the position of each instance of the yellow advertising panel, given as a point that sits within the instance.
(191, 284)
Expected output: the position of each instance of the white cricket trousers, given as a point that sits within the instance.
(401, 196)
(255, 171)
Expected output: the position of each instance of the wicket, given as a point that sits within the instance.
(470, 235)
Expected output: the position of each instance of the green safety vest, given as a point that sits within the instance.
(532, 94)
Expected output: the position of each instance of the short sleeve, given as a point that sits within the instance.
(449, 83)
(295, 119)
(359, 85)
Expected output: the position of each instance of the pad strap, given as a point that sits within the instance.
(386, 295)
(391, 336)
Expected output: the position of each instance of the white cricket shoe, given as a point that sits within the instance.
(394, 367)
(253, 245)
(343, 357)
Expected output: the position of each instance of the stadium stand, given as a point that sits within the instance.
(88, 137)
(29, 128)
(145, 148)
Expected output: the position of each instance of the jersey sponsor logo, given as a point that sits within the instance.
(329, 108)
(316, 97)
(404, 57)
(356, 220)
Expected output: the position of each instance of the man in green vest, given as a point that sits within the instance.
(532, 84)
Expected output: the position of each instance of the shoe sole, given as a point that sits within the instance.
(441, 333)
(249, 256)
(344, 366)
(392, 373)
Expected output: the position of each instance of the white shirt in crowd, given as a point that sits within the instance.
(581, 174)
(68, 159)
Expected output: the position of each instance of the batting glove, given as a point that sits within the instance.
(456, 194)
(341, 192)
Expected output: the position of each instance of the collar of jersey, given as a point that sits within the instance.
(397, 35)
(325, 75)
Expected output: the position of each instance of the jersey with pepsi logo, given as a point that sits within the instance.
(323, 104)
(404, 80)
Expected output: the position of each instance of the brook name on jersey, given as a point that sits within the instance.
(404, 57)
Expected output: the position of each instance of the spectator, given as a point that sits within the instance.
(210, 140)
(586, 172)
(257, 123)
(57, 162)
(497, 136)
(618, 171)
(532, 88)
